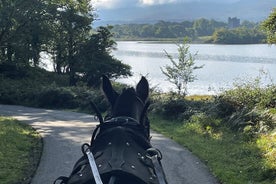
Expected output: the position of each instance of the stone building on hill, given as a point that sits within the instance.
(233, 22)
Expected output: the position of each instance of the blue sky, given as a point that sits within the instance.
(121, 11)
(113, 4)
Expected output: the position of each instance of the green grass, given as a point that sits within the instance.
(20, 150)
(232, 157)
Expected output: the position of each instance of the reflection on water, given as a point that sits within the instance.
(229, 58)
(223, 64)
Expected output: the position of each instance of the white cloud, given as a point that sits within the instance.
(104, 3)
(109, 4)
(154, 2)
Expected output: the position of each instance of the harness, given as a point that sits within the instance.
(120, 147)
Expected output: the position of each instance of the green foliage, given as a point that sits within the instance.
(61, 29)
(95, 59)
(252, 122)
(269, 26)
(247, 33)
(247, 160)
(241, 35)
(208, 124)
(248, 108)
(251, 93)
(160, 29)
(56, 97)
(28, 27)
(48, 90)
(169, 108)
(163, 29)
(180, 72)
(20, 151)
(267, 144)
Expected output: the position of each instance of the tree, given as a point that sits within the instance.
(95, 59)
(180, 73)
(28, 27)
(240, 35)
(269, 25)
(16, 34)
(72, 29)
(62, 29)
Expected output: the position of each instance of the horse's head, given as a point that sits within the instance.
(121, 143)
(130, 103)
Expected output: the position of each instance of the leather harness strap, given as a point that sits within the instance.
(158, 169)
(152, 155)
(155, 156)
(92, 163)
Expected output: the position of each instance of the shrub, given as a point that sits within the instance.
(169, 106)
(221, 107)
(252, 121)
(56, 97)
(207, 122)
(251, 93)
(17, 92)
(85, 95)
(32, 93)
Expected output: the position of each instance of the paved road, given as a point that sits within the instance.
(64, 132)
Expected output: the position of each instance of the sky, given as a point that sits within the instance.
(111, 4)
(150, 11)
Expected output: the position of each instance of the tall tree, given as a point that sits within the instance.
(61, 28)
(95, 58)
(24, 30)
(269, 25)
(73, 27)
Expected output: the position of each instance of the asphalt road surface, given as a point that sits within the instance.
(64, 132)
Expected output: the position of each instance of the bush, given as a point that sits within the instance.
(17, 92)
(85, 95)
(250, 94)
(207, 122)
(169, 106)
(252, 121)
(13, 71)
(32, 93)
(56, 97)
(221, 107)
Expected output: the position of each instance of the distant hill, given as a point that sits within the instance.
(252, 10)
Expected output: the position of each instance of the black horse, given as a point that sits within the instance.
(120, 151)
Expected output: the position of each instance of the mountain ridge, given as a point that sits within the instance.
(252, 10)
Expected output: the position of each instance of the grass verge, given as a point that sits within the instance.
(20, 151)
(232, 157)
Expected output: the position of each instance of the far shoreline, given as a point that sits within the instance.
(204, 40)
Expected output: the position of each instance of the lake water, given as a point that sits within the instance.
(223, 64)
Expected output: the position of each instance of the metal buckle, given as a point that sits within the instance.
(154, 151)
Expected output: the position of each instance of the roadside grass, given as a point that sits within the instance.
(20, 151)
(232, 157)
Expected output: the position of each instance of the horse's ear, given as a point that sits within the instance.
(108, 90)
(142, 89)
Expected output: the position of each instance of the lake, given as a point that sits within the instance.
(223, 64)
